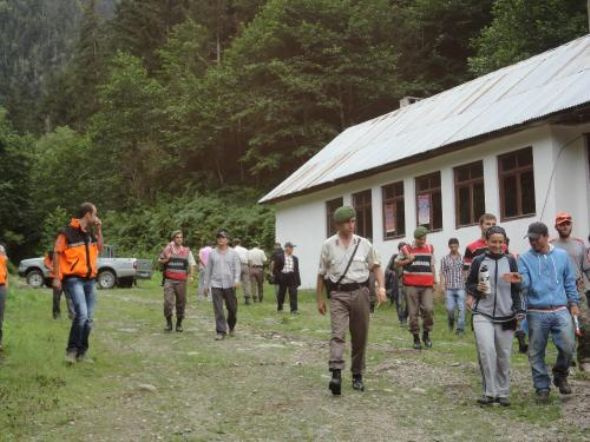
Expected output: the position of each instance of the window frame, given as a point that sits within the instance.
(355, 195)
(330, 226)
(470, 183)
(516, 172)
(393, 200)
(430, 191)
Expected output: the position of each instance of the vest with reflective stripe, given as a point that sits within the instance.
(79, 259)
(3, 270)
(177, 267)
(419, 272)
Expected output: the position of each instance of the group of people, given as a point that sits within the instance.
(541, 292)
(223, 269)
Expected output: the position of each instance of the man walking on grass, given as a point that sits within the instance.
(453, 281)
(75, 266)
(345, 262)
(222, 276)
(256, 260)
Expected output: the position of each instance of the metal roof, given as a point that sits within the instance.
(540, 86)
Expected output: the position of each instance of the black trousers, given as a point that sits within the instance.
(287, 282)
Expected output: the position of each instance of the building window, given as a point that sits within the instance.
(429, 201)
(517, 184)
(364, 213)
(469, 194)
(394, 219)
(331, 207)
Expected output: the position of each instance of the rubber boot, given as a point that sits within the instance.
(168, 324)
(426, 340)
(335, 385)
(417, 343)
(179, 328)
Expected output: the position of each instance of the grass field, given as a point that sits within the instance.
(267, 383)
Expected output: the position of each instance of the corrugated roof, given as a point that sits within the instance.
(540, 86)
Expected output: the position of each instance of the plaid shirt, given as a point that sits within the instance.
(451, 267)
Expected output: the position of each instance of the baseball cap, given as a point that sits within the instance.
(536, 230)
(563, 217)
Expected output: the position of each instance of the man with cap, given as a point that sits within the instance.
(576, 250)
(3, 285)
(179, 263)
(419, 278)
(222, 276)
(345, 262)
(548, 279)
(286, 270)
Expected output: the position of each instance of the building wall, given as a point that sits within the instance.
(561, 183)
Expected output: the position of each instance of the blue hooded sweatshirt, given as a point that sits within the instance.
(548, 278)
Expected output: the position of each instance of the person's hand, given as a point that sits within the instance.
(322, 307)
(381, 295)
(512, 277)
(56, 283)
(410, 257)
(470, 302)
(574, 310)
(98, 223)
(482, 287)
(520, 316)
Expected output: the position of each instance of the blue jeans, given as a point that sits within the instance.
(456, 300)
(83, 293)
(559, 325)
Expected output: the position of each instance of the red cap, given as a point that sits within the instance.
(562, 217)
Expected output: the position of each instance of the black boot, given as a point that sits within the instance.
(179, 328)
(335, 385)
(357, 382)
(417, 343)
(426, 340)
(522, 345)
(168, 324)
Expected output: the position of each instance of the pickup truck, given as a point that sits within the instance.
(112, 271)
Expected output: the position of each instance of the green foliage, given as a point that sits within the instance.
(523, 28)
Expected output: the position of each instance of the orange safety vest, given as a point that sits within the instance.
(80, 256)
(3, 270)
(419, 272)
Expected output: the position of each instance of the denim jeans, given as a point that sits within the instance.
(559, 325)
(456, 301)
(83, 293)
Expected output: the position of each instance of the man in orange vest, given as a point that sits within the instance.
(3, 285)
(178, 262)
(419, 277)
(74, 268)
(48, 263)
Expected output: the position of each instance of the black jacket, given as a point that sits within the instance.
(279, 263)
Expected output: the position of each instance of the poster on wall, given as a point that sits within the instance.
(389, 219)
(423, 209)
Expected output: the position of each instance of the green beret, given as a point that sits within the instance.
(420, 232)
(343, 214)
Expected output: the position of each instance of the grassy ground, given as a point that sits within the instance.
(269, 382)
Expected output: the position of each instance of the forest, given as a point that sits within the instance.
(182, 113)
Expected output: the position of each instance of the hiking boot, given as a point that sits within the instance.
(335, 384)
(71, 357)
(219, 337)
(417, 343)
(563, 385)
(522, 345)
(426, 340)
(179, 328)
(168, 324)
(503, 401)
(451, 322)
(542, 396)
(357, 382)
(485, 400)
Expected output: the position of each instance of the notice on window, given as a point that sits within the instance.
(389, 219)
(423, 209)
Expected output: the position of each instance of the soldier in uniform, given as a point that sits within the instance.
(345, 263)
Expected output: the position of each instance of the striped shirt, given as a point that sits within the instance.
(451, 267)
(420, 272)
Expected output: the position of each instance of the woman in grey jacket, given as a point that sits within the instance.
(496, 308)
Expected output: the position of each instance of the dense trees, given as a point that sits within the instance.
(146, 107)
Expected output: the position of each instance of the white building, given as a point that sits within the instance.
(514, 143)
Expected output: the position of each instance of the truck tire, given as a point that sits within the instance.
(106, 279)
(35, 278)
(126, 283)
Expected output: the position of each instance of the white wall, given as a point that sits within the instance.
(302, 220)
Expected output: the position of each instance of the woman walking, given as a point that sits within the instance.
(496, 305)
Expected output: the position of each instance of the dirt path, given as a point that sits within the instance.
(270, 383)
